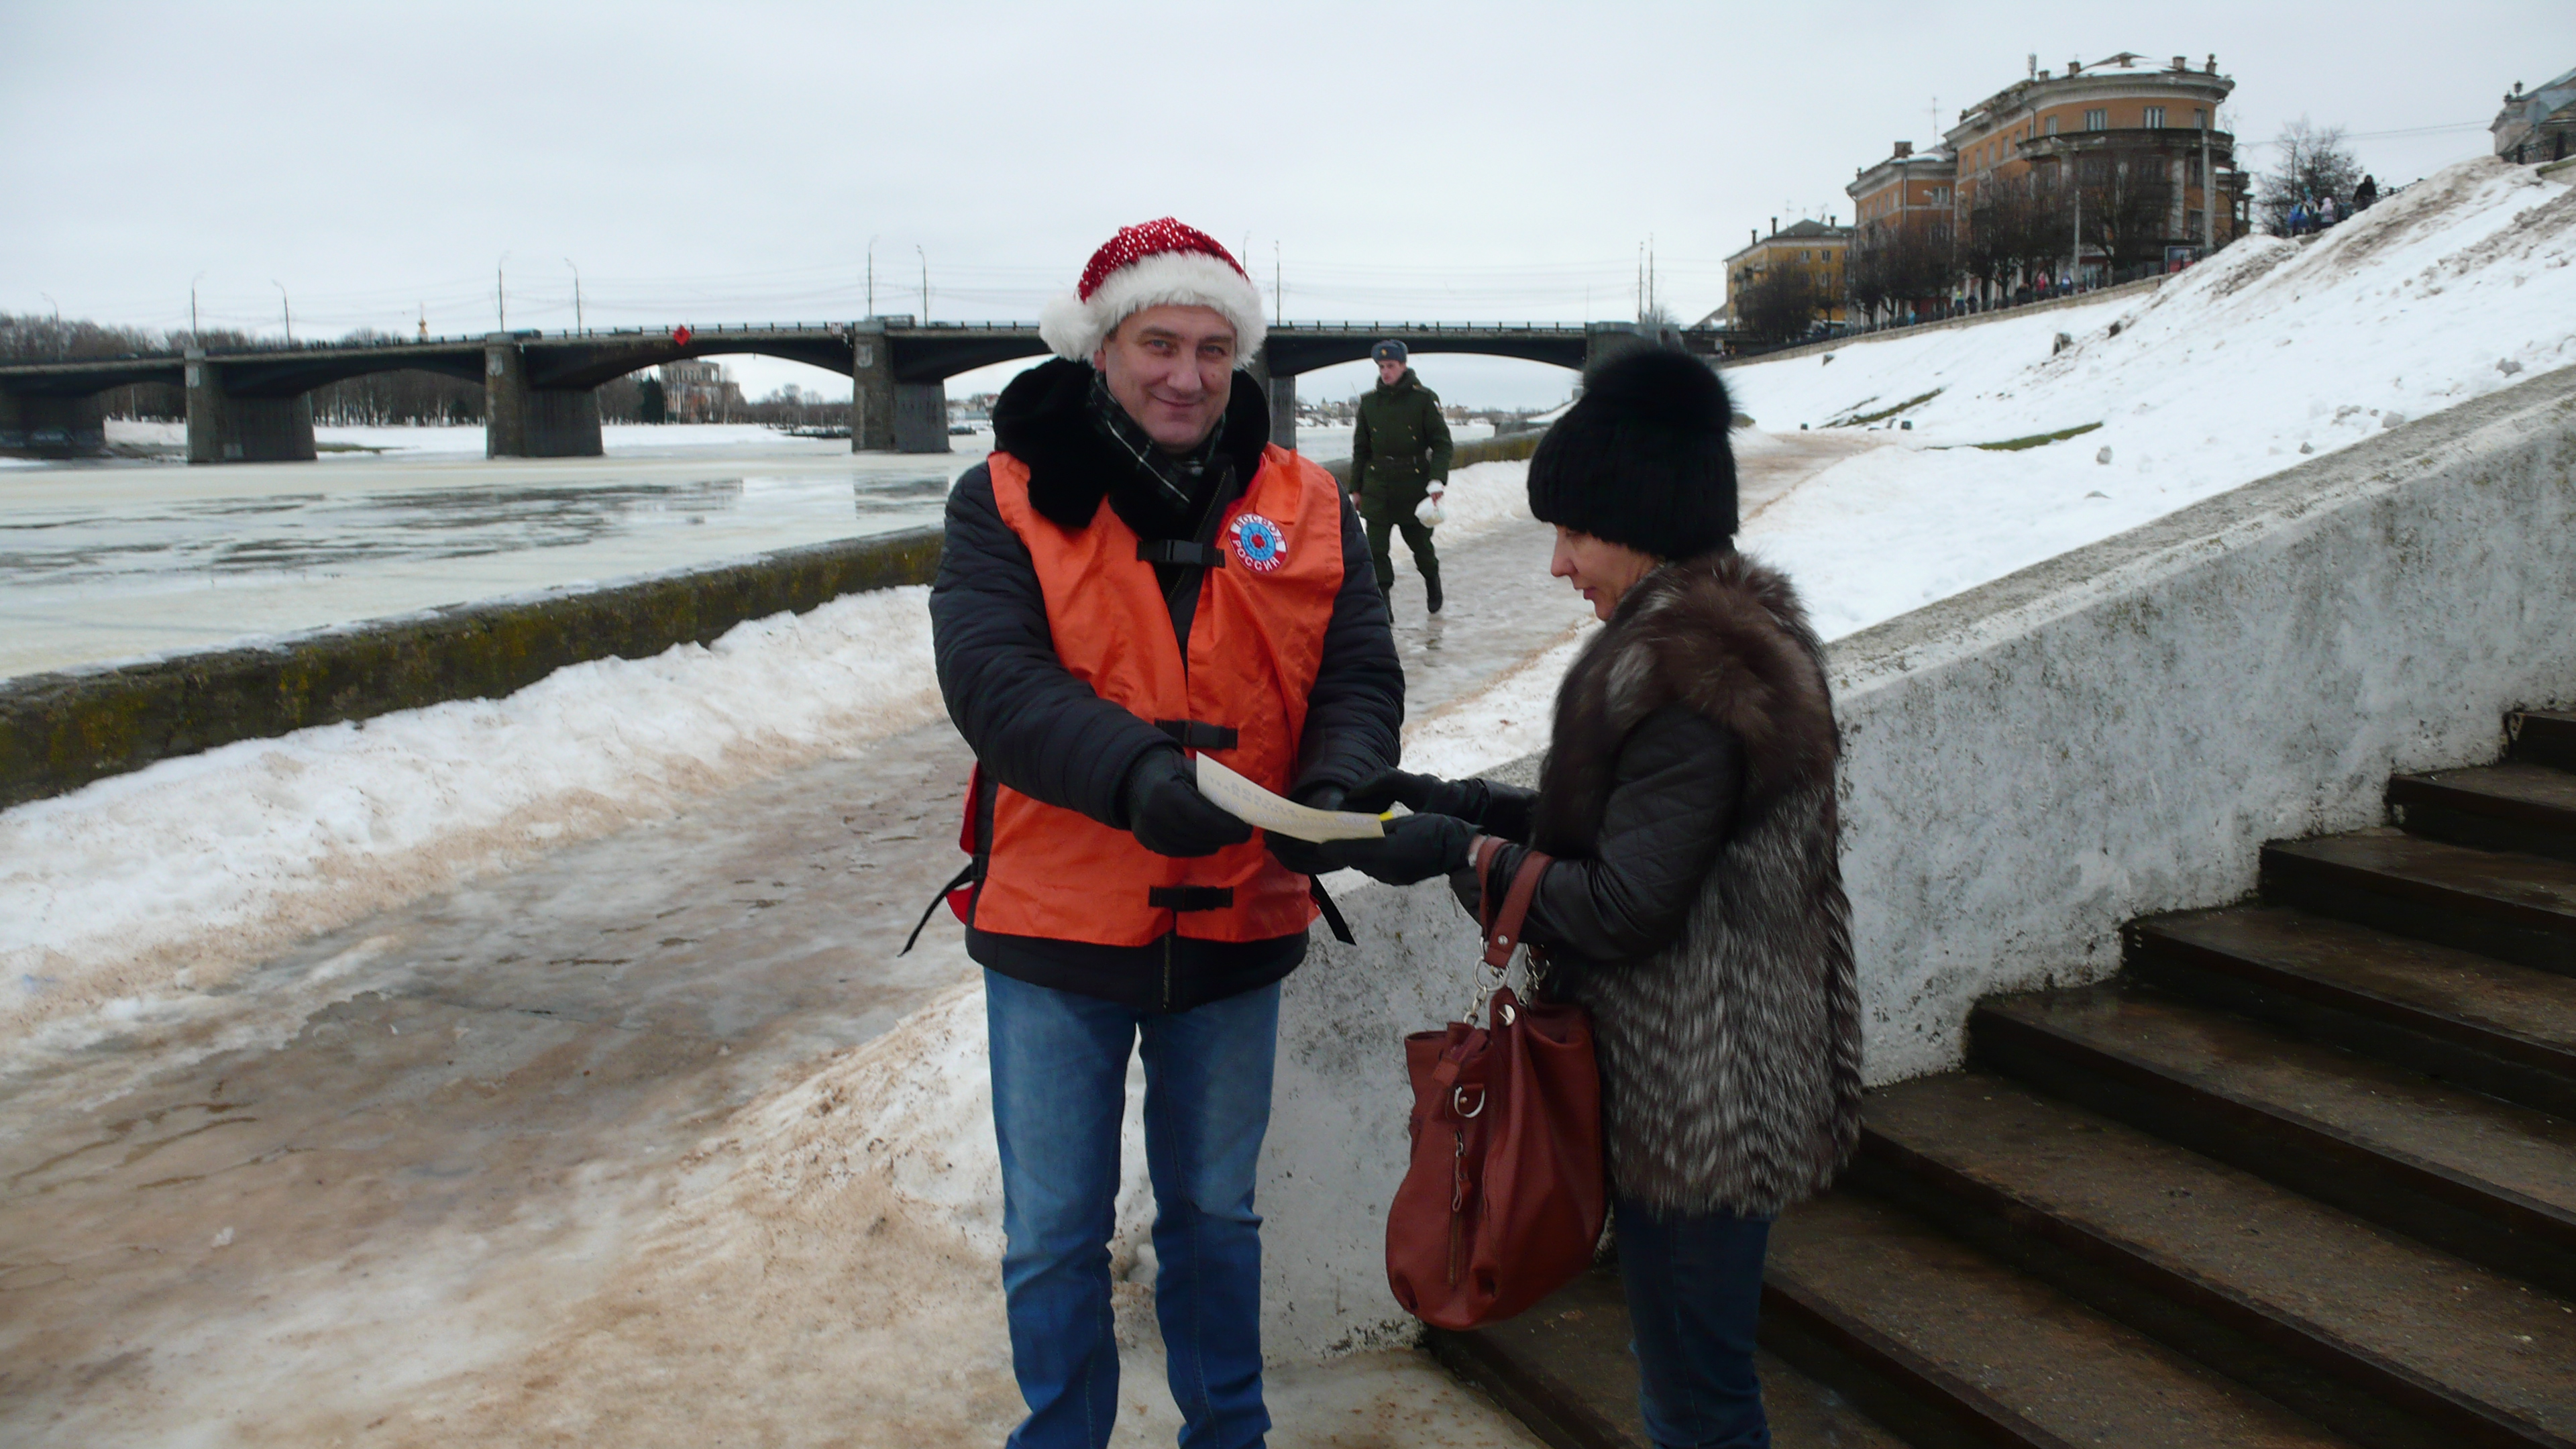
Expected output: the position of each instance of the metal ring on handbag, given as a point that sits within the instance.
(1458, 1103)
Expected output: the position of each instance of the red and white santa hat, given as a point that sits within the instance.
(1152, 264)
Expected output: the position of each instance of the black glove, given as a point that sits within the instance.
(1421, 794)
(1170, 816)
(1303, 856)
(1416, 847)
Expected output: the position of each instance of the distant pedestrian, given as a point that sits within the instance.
(2367, 193)
(2326, 214)
(1136, 576)
(1400, 456)
(2298, 218)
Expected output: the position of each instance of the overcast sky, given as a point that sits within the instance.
(734, 161)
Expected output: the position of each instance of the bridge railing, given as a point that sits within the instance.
(1434, 328)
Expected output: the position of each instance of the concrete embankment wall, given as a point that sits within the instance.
(61, 731)
(2033, 763)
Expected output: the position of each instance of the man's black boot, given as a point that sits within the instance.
(1431, 592)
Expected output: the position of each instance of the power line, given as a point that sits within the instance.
(2398, 134)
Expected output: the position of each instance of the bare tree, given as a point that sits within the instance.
(1780, 304)
(2314, 161)
(2128, 208)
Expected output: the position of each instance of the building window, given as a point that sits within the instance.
(2097, 120)
(2155, 118)
(2052, 125)
(2200, 118)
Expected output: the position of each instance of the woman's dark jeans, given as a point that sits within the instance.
(1694, 1294)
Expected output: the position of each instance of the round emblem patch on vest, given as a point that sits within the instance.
(1259, 543)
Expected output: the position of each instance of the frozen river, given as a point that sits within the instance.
(109, 562)
(115, 561)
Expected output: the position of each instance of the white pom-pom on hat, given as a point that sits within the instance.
(1152, 264)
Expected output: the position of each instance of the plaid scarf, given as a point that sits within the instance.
(1182, 483)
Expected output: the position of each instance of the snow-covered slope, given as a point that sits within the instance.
(2270, 351)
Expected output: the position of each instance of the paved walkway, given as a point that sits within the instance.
(419, 1138)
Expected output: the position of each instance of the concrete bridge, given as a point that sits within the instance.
(250, 405)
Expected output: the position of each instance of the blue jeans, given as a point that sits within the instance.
(1694, 1288)
(1059, 1089)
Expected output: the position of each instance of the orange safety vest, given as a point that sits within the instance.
(1256, 642)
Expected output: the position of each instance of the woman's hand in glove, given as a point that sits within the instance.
(1170, 816)
(1421, 794)
(1415, 848)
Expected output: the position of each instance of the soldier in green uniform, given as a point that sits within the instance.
(1399, 456)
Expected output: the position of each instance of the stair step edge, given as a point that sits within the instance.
(1789, 1302)
(2151, 1072)
(2150, 939)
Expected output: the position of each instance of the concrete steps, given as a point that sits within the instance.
(2512, 806)
(1564, 1369)
(2476, 1022)
(2518, 908)
(2305, 1174)
(2364, 1330)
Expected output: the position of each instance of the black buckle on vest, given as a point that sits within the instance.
(1181, 551)
(1198, 734)
(1189, 898)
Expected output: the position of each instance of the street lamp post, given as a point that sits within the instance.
(925, 282)
(62, 342)
(287, 307)
(195, 337)
(576, 295)
(2075, 266)
(501, 291)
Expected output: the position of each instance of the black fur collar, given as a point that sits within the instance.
(1040, 419)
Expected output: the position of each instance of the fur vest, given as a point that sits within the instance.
(1730, 1059)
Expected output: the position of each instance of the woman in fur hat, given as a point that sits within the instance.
(1695, 899)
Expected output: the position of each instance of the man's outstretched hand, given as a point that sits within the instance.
(1168, 814)
(1305, 857)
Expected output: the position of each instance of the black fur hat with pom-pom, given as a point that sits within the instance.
(1642, 458)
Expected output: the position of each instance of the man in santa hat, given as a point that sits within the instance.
(1136, 578)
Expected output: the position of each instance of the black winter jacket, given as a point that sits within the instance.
(1671, 805)
(1043, 732)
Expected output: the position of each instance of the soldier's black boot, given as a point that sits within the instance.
(1431, 592)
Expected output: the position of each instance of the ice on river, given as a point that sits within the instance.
(107, 563)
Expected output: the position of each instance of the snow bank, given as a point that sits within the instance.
(1484, 496)
(183, 874)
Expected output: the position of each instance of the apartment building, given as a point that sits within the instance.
(696, 391)
(1816, 247)
(2138, 143)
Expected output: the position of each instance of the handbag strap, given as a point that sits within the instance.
(1502, 926)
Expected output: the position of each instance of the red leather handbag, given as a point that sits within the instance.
(1505, 1198)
